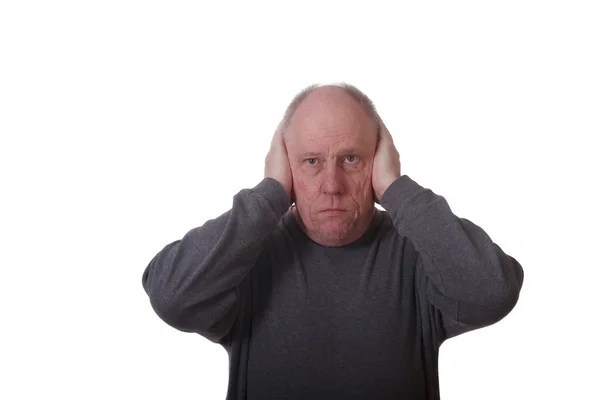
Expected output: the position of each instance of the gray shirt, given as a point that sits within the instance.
(304, 321)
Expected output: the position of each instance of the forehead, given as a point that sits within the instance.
(328, 117)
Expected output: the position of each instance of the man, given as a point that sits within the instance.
(313, 291)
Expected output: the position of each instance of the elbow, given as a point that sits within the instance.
(504, 304)
(506, 300)
(169, 312)
(500, 302)
(211, 319)
(163, 306)
(490, 311)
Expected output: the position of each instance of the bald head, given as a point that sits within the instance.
(342, 100)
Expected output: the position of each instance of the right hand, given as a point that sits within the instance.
(277, 163)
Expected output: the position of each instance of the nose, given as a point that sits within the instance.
(332, 182)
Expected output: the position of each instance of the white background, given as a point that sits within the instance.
(126, 123)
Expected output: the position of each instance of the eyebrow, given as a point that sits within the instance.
(349, 150)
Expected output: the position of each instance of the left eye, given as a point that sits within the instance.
(351, 158)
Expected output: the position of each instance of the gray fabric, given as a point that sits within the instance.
(304, 321)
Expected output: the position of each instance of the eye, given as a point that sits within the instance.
(311, 161)
(351, 159)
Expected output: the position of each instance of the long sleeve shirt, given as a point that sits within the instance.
(362, 321)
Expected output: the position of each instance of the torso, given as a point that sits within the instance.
(334, 322)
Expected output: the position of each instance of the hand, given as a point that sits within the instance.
(277, 164)
(386, 163)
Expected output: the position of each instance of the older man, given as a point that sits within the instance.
(313, 291)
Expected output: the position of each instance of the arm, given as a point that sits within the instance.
(470, 280)
(193, 283)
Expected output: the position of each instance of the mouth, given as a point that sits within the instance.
(333, 211)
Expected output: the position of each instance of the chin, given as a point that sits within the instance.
(336, 229)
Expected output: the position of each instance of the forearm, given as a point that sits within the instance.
(473, 278)
(192, 282)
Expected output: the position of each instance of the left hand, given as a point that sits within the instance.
(386, 163)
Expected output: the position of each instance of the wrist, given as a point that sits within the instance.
(385, 186)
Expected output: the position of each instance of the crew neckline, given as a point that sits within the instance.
(296, 230)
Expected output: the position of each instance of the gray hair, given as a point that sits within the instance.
(363, 100)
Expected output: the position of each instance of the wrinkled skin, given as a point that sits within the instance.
(331, 144)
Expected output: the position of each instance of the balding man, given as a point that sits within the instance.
(313, 291)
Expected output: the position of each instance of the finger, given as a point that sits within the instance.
(383, 130)
(385, 134)
(279, 129)
(277, 136)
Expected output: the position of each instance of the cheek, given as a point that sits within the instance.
(305, 187)
(361, 183)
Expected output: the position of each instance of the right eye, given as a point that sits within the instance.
(311, 161)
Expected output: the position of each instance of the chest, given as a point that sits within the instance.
(319, 325)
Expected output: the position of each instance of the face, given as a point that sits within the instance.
(331, 143)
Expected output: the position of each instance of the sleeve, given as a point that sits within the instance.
(469, 279)
(194, 283)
